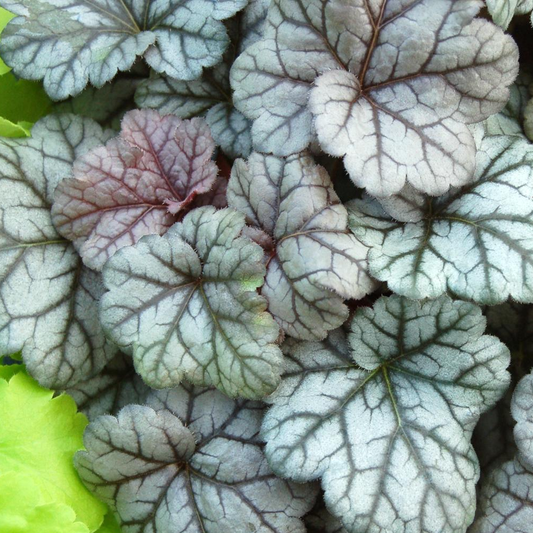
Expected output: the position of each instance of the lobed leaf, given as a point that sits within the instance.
(48, 299)
(389, 85)
(313, 261)
(114, 387)
(190, 461)
(209, 95)
(69, 43)
(186, 306)
(135, 185)
(506, 498)
(474, 243)
(385, 417)
(40, 434)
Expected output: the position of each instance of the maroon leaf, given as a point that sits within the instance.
(137, 184)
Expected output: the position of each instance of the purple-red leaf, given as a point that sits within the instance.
(135, 185)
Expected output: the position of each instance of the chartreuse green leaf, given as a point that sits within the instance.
(190, 460)
(475, 243)
(5, 17)
(48, 299)
(390, 85)
(313, 261)
(385, 417)
(185, 304)
(506, 498)
(39, 435)
(24, 512)
(72, 42)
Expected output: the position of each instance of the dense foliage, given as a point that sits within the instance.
(280, 255)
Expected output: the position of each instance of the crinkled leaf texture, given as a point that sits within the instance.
(186, 305)
(210, 96)
(39, 435)
(475, 243)
(48, 299)
(114, 387)
(389, 84)
(385, 418)
(506, 498)
(135, 185)
(68, 43)
(313, 261)
(190, 461)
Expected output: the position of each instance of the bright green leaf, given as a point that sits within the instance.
(39, 437)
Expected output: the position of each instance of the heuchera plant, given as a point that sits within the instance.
(280, 254)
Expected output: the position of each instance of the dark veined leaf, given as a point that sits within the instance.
(48, 299)
(510, 120)
(475, 243)
(186, 305)
(135, 185)
(114, 387)
(313, 261)
(68, 43)
(385, 418)
(209, 96)
(506, 498)
(190, 461)
(390, 85)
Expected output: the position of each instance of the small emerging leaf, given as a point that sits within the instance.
(190, 461)
(135, 185)
(475, 243)
(68, 43)
(186, 305)
(386, 418)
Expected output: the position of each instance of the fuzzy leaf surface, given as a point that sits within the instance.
(522, 411)
(69, 43)
(190, 462)
(355, 413)
(48, 299)
(135, 185)
(114, 387)
(313, 261)
(186, 305)
(390, 85)
(475, 243)
(210, 96)
(506, 501)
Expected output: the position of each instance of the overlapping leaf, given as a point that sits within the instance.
(48, 299)
(68, 43)
(114, 387)
(319, 520)
(186, 305)
(190, 461)
(391, 86)
(386, 419)
(210, 95)
(135, 185)
(313, 262)
(503, 11)
(506, 499)
(475, 243)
